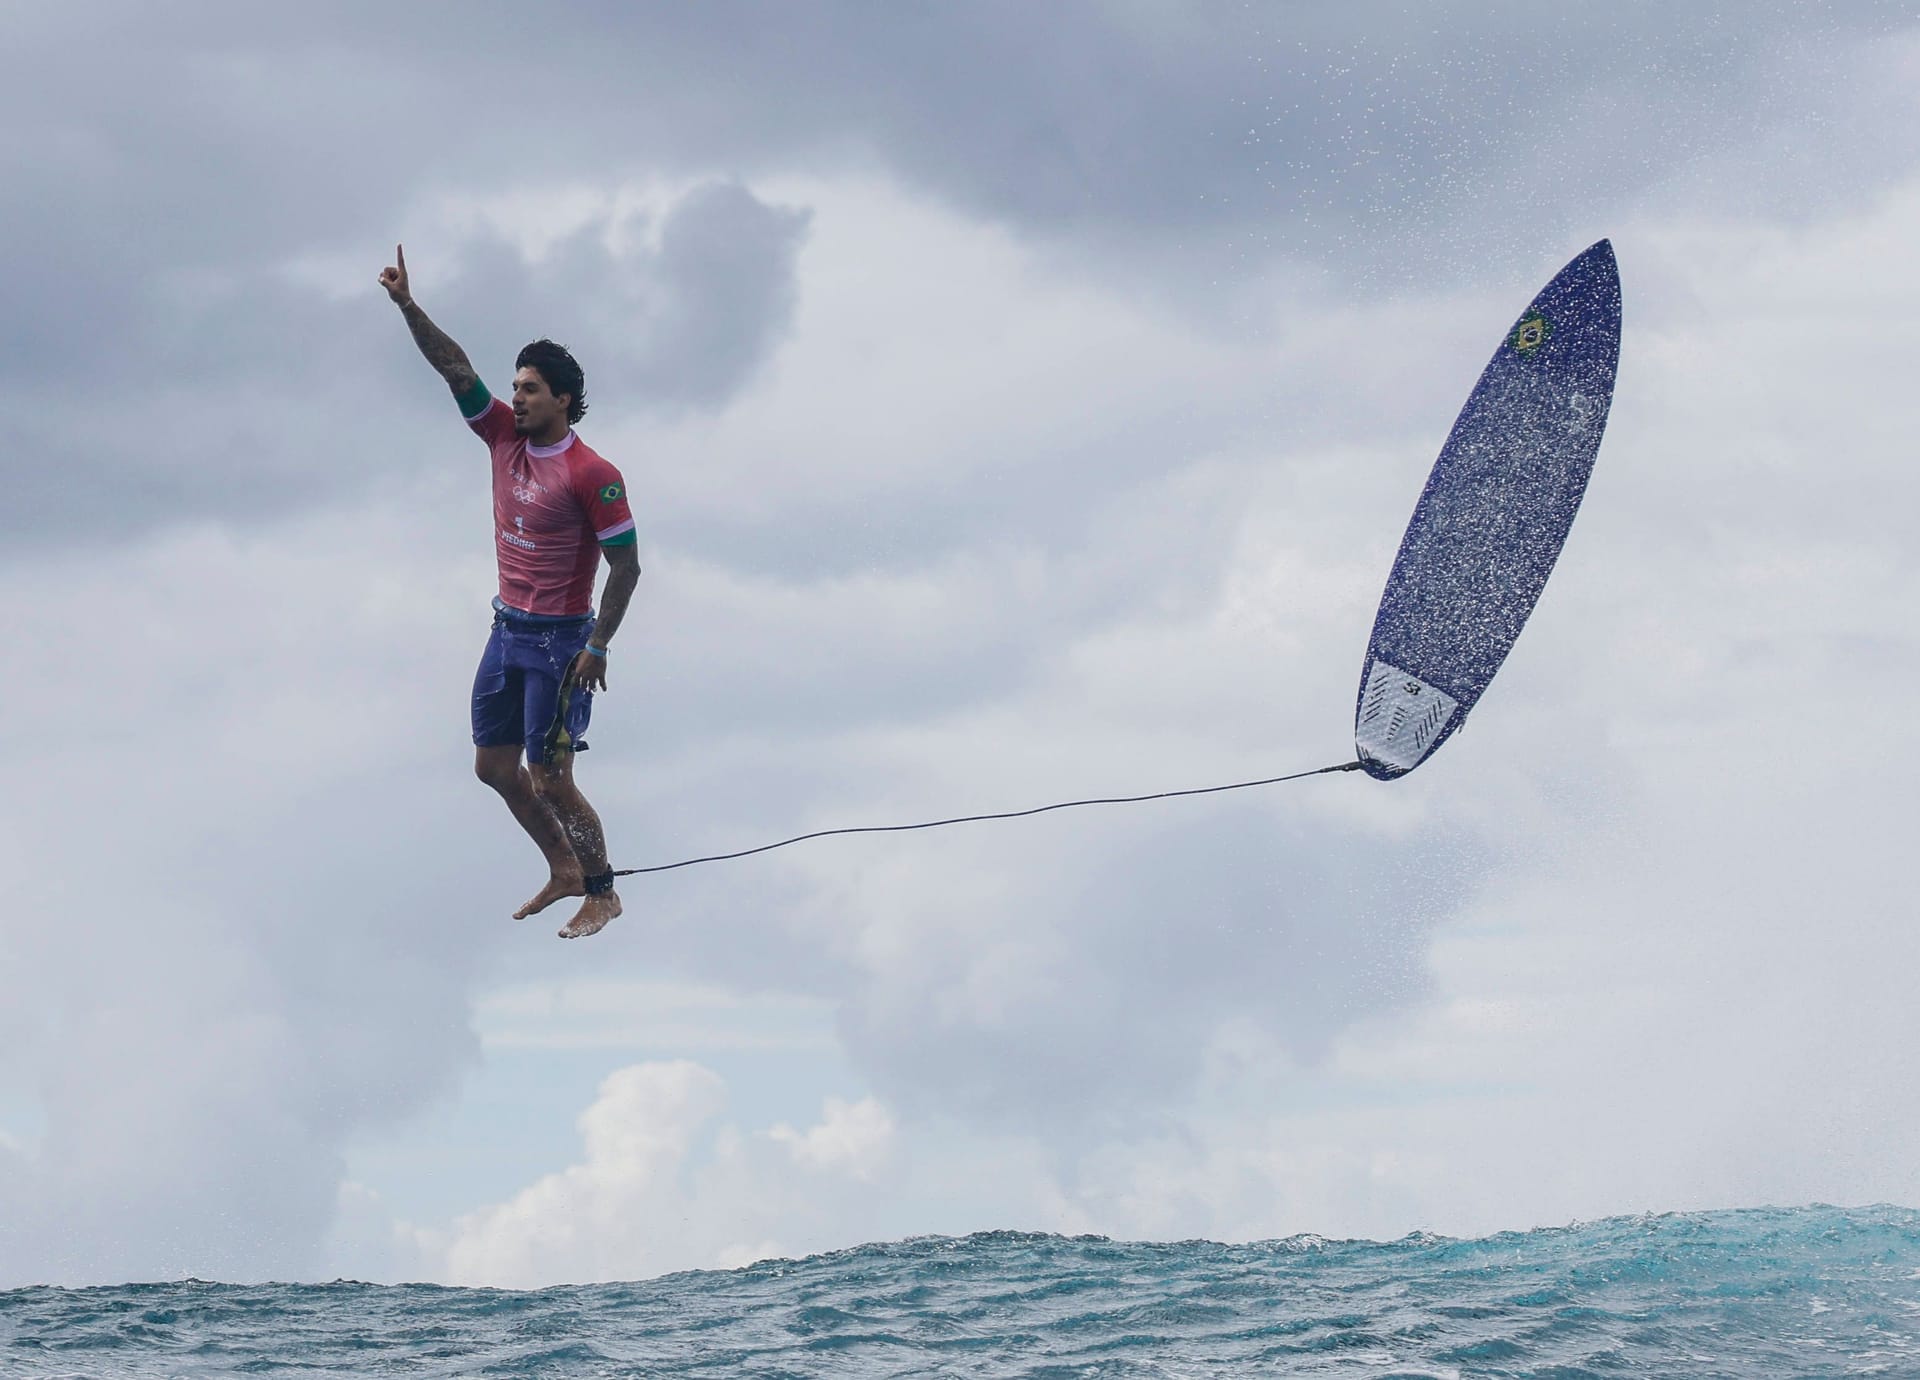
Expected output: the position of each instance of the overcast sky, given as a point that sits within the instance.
(1019, 402)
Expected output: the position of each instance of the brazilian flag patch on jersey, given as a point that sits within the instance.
(610, 493)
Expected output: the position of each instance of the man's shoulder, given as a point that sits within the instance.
(600, 491)
(590, 463)
(494, 424)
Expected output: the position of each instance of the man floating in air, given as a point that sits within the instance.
(557, 506)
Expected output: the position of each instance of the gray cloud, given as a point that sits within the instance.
(1203, 917)
(682, 323)
(178, 165)
(234, 395)
(216, 142)
(1312, 129)
(299, 883)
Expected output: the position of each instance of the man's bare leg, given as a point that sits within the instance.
(554, 785)
(500, 768)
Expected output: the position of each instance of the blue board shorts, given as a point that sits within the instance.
(517, 687)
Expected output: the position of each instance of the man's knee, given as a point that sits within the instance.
(498, 767)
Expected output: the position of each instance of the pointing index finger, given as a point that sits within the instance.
(400, 257)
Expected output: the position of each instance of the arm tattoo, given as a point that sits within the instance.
(623, 575)
(445, 356)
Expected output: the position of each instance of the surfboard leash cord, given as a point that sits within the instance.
(975, 819)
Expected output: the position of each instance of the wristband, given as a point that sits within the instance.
(600, 652)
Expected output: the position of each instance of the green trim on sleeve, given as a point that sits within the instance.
(626, 538)
(474, 402)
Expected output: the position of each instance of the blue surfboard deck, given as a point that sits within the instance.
(1491, 521)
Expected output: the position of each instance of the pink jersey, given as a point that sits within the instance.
(552, 508)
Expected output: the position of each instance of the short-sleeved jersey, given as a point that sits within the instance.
(553, 508)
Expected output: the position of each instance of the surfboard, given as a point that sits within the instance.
(1492, 518)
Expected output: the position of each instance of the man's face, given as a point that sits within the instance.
(536, 411)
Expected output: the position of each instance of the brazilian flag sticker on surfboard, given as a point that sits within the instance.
(1531, 333)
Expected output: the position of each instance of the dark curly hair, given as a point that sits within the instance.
(560, 370)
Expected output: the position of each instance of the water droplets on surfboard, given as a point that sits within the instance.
(1492, 518)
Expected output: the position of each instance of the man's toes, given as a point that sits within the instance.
(547, 895)
(591, 919)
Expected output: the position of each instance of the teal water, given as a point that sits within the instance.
(1759, 1293)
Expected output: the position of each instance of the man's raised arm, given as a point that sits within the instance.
(448, 358)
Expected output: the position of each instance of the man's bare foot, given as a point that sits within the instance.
(558, 885)
(593, 915)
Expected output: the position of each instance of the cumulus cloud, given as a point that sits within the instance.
(852, 1136)
(601, 1218)
(642, 1199)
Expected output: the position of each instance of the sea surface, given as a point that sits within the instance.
(1758, 1293)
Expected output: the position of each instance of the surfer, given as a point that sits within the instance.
(557, 509)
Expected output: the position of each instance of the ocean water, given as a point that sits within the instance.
(1760, 1293)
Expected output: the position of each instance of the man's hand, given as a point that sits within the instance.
(394, 279)
(447, 358)
(590, 671)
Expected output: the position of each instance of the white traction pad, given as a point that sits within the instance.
(1400, 718)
